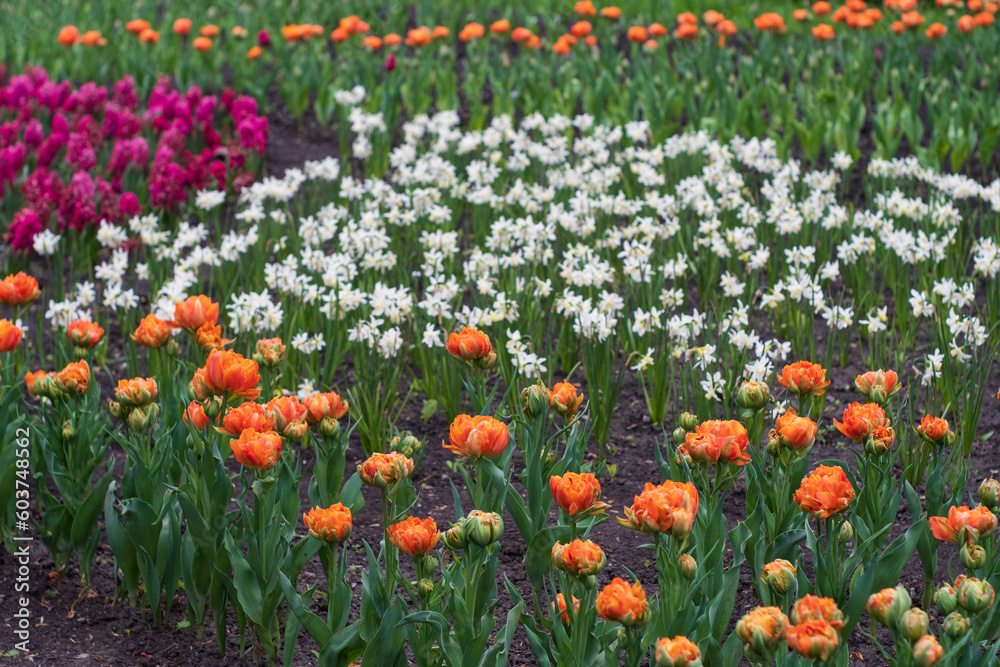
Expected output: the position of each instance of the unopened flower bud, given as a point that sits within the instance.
(116, 409)
(846, 533)
(927, 651)
(913, 624)
(213, 408)
(688, 566)
(680, 435)
(68, 432)
(779, 575)
(688, 422)
(972, 556)
(975, 595)
(454, 537)
(329, 427)
(142, 418)
(989, 493)
(426, 588)
(535, 400)
(753, 395)
(888, 606)
(296, 430)
(946, 598)
(955, 625)
(483, 528)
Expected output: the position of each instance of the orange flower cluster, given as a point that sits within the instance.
(825, 492)
(717, 441)
(322, 406)
(295, 32)
(414, 536)
(878, 386)
(770, 22)
(136, 392)
(477, 436)
(70, 35)
(577, 494)
(980, 520)
(816, 631)
(349, 26)
(73, 380)
(668, 508)
(333, 524)
(621, 602)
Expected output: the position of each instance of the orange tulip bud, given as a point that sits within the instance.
(762, 630)
(561, 602)
(585, 8)
(182, 26)
(68, 35)
(779, 575)
(927, 651)
(579, 558)
(333, 524)
(257, 450)
(565, 400)
(577, 493)
(385, 470)
(677, 652)
(623, 603)
(471, 346)
(136, 392)
(270, 352)
(196, 311)
(194, 415)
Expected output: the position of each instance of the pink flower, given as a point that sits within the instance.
(22, 229)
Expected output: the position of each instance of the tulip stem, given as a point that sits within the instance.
(331, 585)
(390, 552)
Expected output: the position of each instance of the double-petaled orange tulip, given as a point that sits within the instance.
(414, 536)
(770, 22)
(761, 630)
(10, 335)
(580, 29)
(935, 429)
(668, 508)
(564, 399)
(677, 652)
(470, 32)
(888, 605)
(717, 441)
(289, 416)
(579, 558)
(611, 13)
(182, 26)
(501, 27)
(860, 421)
(152, 332)
(825, 492)
(195, 311)
(936, 31)
(657, 30)
(477, 436)
(471, 345)
(577, 493)
(816, 608)
(209, 337)
(333, 524)
(585, 8)
(228, 372)
(68, 35)
(804, 378)
(823, 32)
(257, 450)
(323, 406)
(40, 383)
(687, 31)
(637, 34)
(927, 651)
(795, 432)
(75, 378)
(981, 520)
(84, 335)
(419, 37)
(136, 392)
(194, 415)
(384, 470)
(779, 575)
(248, 415)
(621, 602)
(18, 289)
(815, 640)
(878, 386)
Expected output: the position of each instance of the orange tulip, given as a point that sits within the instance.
(912, 19)
(980, 520)
(561, 602)
(821, 8)
(898, 27)
(687, 31)
(815, 640)
(137, 392)
(657, 30)
(823, 32)
(564, 400)
(152, 332)
(878, 386)
(208, 336)
(579, 558)
(580, 29)
(392, 39)
(611, 13)
(182, 26)
(984, 19)
(677, 652)
(257, 450)
(816, 608)
(668, 508)
(289, 416)
(248, 415)
(339, 35)
(860, 421)
(202, 44)
(585, 8)
(195, 311)
(84, 335)
(238, 31)
(75, 378)
(623, 603)
(804, 378)
(333, 524)
(795, 432)
(384, 470)
(888, 605)
(577, 493)
(471, 345)
(418, 37)
(927, 651)
(228, 372)
(825, 492)
(717, 441)
(372, 43)
(18, 289)
(269, 351)
(637, 34)
(800, 15)
(500, 27)
(966, 24)
(291, 32)
(92, 38)
(770, 22)
(936, 31)
(840, 14)
(149, 36)
(68, 35)
(137, 26)
(520, 34)
(40, 383)
(477, 436)
(440, 32)
(779, 575)
(414, 536)
(762, 628)
(934, 429)
(711, 17)
(194, 415)
(210, 30)
(725, 29)
(10, 336)
(323, 406)
(469, 32)
(974, 5)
